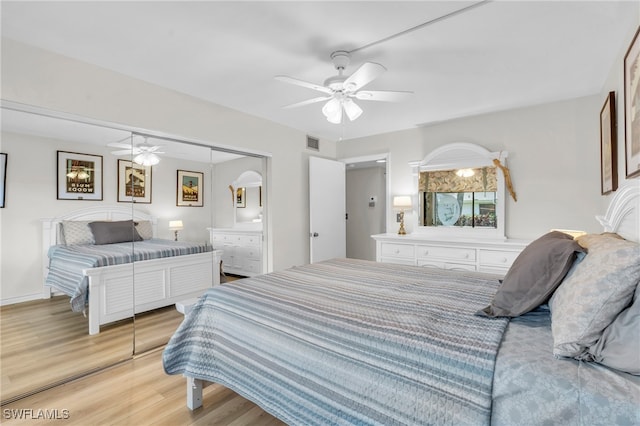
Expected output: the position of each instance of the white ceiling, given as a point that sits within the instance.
(498, 55)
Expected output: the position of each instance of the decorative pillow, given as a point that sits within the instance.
(122, 231)
(534, 275)
(593, 294)
(144, 228)
(619, 346)
(76, 232)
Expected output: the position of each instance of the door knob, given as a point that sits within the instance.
(315, 234)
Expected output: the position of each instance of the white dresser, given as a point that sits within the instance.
(464, 254)
(241, 250)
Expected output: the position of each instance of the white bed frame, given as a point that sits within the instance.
(158, 282)
(622, 217)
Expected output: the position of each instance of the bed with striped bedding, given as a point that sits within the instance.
(68, 263)
(348, 342)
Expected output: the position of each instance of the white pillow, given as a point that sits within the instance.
(145, 229)
(77, 232)
(594, 292)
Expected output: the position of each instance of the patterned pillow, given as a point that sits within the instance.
(77, 232)
(594, 292)
(145, 229)
(619, 346)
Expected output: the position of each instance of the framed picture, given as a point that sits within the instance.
(3, 178)
(79, 176)
(608, 151)
(632, 108)
(241, 198)
(190, 189)
(134, 182)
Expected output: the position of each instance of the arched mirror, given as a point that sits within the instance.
(461, 192)
(248, 199)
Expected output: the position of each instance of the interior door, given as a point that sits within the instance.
(327, 209)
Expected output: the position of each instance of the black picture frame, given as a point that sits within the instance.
(79, 176)
(608, 146)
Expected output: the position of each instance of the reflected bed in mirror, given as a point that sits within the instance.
(461, 192)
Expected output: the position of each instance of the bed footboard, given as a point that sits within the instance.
(158, 283)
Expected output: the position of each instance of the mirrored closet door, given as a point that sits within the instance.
(58, 180)
(74, 184)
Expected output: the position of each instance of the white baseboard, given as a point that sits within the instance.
(20, 299)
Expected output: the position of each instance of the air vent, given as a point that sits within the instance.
(313, 143)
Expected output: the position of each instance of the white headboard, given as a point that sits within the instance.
(623, 213)
(51, 226)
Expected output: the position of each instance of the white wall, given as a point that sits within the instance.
(615, 82)
(553, 157)
(35, 77)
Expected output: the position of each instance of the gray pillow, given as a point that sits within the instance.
(619, 346)
(122, 231)
(593, 294)
(534, 275)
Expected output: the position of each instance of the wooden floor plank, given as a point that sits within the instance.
(138, 392)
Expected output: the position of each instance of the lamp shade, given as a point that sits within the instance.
(402, 202)
(175, 225)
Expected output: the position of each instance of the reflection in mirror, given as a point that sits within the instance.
(461, 197)
(248, 200)
(43, 341)
(182, 209)
(460, 192)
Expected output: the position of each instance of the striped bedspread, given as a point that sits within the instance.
(348, 342)
(66, 263)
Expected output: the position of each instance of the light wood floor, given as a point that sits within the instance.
(138, 392)
(44, 343)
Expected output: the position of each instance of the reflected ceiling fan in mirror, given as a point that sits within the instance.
(144, 153)
(341, 90)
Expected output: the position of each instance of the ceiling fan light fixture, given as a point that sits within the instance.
(332, 110)
(146, 159)
(352, 109)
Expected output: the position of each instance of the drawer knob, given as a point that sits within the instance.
(504, 260)
(397, 251)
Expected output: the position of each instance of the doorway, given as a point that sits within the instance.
(366, 203)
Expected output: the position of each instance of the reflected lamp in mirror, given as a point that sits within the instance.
(402, 203)
(175, 226)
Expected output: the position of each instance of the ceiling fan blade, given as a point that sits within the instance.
(308, 85)
(124, 152)
(381, 95)
(119, 145)
(367, 72)
(308, 101)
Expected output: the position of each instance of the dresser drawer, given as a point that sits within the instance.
(251, 240)
(499, 258)
(446, 253)
(250, 252)
(397, 250)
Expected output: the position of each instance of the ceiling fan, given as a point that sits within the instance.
(144, 152)
(341, 90)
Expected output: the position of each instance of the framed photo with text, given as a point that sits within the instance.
(134, 182)
(608, 151)
(190, 189)
(632, 108)
(79, 176)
